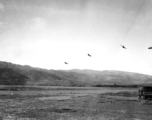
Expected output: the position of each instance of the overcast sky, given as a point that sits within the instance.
(46, 33)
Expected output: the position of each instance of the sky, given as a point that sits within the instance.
(47, 33)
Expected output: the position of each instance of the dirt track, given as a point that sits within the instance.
(104, 106)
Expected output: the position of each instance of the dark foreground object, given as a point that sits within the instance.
(145, 92)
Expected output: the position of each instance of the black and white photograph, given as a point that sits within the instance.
(75, 59)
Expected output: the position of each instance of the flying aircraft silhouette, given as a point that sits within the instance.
(89, 55)
(150, 48)
(65, 62)
(123, 47)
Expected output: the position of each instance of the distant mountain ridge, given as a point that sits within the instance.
(13, 74)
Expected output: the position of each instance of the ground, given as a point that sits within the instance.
(67, 103)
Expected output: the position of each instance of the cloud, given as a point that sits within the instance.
(1, 23)
(1, 6)
(38, 23)
(51, 11)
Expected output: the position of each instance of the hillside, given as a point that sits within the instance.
(12, 74)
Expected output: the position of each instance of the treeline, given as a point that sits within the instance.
(115, 85)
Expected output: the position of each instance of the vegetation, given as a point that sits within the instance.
(127, 86)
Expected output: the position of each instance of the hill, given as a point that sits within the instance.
(13, 74)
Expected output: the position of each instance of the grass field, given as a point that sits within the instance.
(72, 103)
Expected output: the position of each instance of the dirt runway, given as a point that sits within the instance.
(120, 105)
